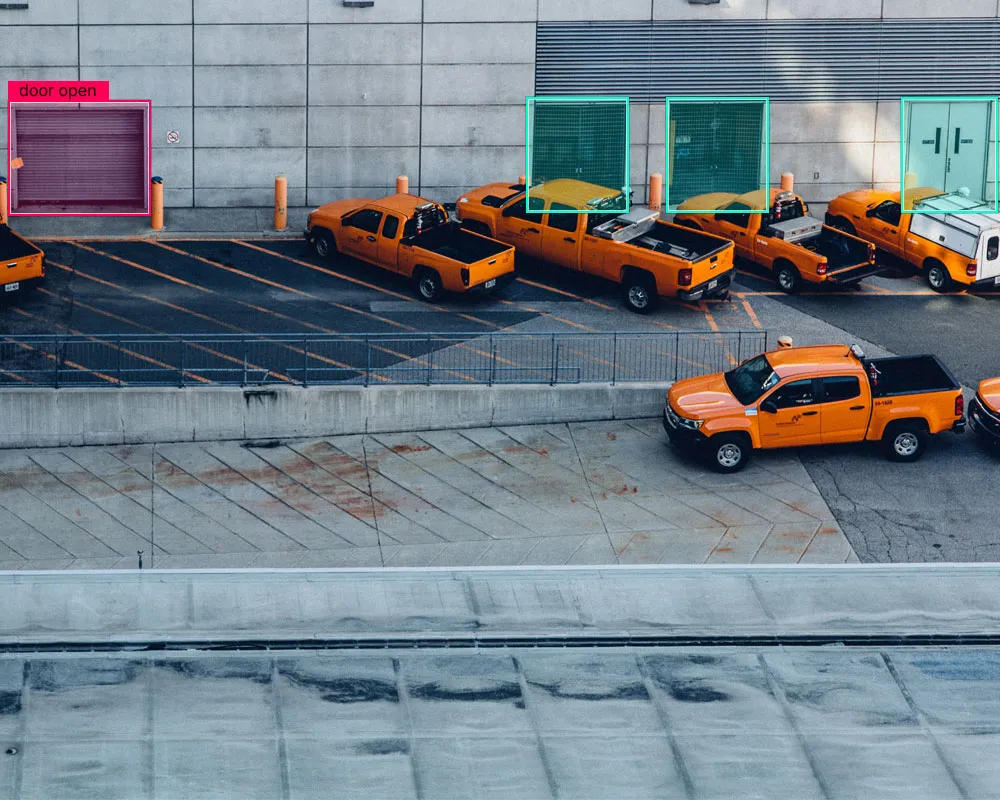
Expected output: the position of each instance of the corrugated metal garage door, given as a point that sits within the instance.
(784, 59)
(80, 160)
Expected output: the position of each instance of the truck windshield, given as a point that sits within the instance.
(750, 380)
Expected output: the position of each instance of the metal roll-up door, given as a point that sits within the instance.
(798, 60)
(80, 160)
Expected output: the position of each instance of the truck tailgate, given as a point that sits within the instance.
(712, 266)
(491, 268)
(20, 260)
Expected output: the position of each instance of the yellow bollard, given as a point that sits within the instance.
(280, 203)
(3, 201)
(655, 191)
(156, 200)
(787, 182)
(402, 185)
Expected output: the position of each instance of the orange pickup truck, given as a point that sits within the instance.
(795, 247)
(984, 412)
(23, 263)
(814, 395)
(412, 237)
(953, 248)
(647, 257)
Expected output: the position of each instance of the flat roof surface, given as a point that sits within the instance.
(601, 682)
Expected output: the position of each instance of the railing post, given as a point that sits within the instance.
(430, 359)
(555, 367)
(739, 346)
(58, 356)
(552, 359)
(614, 358)
(119, 369)
(183, 350)
(246, 356)
(493, 359)
(305, 360)
(368, 358)
(677, 352)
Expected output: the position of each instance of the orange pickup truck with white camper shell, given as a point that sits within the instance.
(814, 395)
(953, 248)
(648, 257)
(984, 412)
(412, 237)
(786, 241)
(22, 263)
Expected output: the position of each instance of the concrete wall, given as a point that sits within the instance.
(66, 417)
(342, 100)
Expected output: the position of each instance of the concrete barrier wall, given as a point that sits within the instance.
(61, 417)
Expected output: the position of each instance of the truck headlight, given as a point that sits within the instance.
(690, 424)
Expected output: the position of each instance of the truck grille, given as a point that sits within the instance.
(984, 416)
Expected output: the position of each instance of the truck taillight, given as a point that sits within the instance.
(821, 268)
(959, 406)
(684, 276)
(465, 276)
(970, 269)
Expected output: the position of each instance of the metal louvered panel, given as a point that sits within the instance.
(79, 157)
(784, 59)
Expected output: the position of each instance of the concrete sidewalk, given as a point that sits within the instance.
(585, 493)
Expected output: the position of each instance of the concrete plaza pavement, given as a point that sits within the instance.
(586, 493)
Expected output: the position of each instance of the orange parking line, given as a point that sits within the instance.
(107, 343)
(146, 328)
(751, 313)
(198, 315)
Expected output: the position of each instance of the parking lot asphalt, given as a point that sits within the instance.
(939, 508)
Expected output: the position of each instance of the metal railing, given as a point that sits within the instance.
(375, 359)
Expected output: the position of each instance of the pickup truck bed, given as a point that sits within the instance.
(13, 246)
(840, 249)
(902, 375)
(452, 242)
(691, 245)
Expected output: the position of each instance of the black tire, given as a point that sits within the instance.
(324, 244)
(639, 291)
(476, 226)
(787, 277)
(427, 284)
(728, 452)
(842, 224)
(937, 277)
(904, 441)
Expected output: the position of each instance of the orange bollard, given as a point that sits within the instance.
(655, 191)
(156, 212)
(787, 182)
(280, 203)
(522, 180)
(402, 185)
(3, 200)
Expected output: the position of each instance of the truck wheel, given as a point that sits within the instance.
(428, 284)
(639, 292)
(842, 224)
(788, 278)
(904, 442)
(938, 278)
(728, 452)
(325, 244)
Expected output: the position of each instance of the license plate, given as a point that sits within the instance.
(996, 281)
(713, 284)
(490, 283)
(12, 287)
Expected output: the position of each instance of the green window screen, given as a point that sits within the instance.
(718, 148)
(947, 155)
(577, 154)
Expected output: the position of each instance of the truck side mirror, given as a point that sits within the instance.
(769, 407)
(871, 212)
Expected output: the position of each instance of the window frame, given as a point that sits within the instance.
(840, 378)
(348, 223)
(572, 219)
(781, 387)
(385, 223)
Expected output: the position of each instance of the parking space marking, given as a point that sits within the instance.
(147, 329)
(107, 343)
(205, 317)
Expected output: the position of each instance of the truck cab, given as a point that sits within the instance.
(951, 245)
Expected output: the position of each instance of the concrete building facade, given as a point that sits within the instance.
(343, 99)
